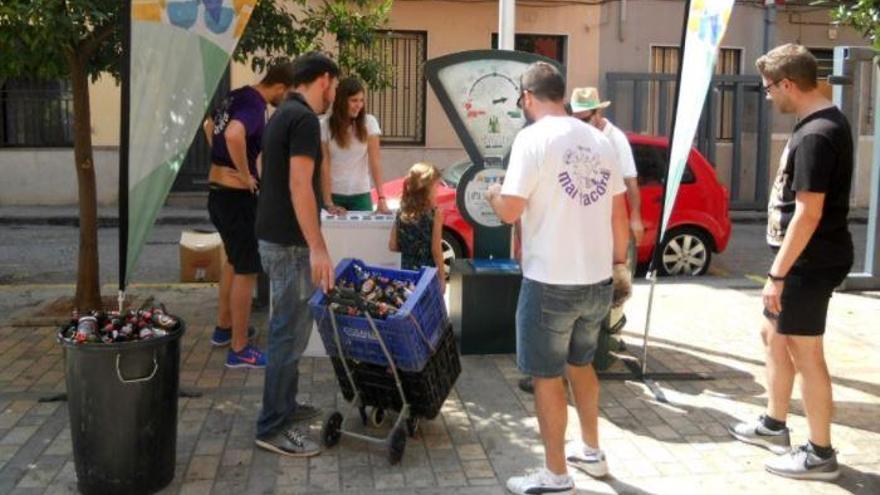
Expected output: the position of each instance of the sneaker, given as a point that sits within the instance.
(589, 460)
(223, 336)
(756, 433)
(305, 412)
(540, 481)
(292, 442)
(249, 357)
(802, 463)
(527, 385)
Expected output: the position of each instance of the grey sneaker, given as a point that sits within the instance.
(802, 463)
(292, 442)
(540, 481)
(305, 412)
(755, 433)
(588, 460)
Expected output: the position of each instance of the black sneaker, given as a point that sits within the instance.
(527, 385)
(755, 433)
(292, 442)
(803, 463)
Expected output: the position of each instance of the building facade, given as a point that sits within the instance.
(593, 40)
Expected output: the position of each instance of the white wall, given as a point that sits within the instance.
(47, 176)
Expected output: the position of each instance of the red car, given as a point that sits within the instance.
(699, 225)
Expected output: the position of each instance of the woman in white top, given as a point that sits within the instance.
(350, 146)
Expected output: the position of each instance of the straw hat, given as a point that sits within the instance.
(586, 99)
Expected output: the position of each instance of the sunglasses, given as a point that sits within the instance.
(588, 117)
(519, 101)
(766, 89)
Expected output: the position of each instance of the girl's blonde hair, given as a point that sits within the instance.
(417, 184)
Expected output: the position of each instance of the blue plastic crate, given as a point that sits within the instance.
(411, 334)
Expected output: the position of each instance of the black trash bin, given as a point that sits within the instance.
(122, 400)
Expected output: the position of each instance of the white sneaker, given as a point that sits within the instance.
(589, 460)
(540, 481)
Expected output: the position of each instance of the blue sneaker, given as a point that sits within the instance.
(223, 336)
(249, 357)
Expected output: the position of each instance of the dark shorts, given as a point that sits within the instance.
(805, 298)
(558, 325)
(233, 212)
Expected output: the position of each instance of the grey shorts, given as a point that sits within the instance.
(558, 325)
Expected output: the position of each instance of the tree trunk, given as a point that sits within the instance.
(88, 289)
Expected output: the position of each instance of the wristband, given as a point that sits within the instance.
(381, 197)
(775, 278)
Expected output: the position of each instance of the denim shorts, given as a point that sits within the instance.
(558, 325)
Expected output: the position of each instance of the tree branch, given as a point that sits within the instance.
(89, 45)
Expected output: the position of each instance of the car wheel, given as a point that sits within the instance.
(452, 249)
(685, 251)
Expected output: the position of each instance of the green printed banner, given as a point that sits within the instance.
(179, 50)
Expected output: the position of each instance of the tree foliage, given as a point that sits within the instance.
(78, 40)
(863, 15)
(36, 36)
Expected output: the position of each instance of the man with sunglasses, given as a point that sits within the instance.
(563, 184)
(807, 229)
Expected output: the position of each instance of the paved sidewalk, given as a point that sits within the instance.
(487, 430)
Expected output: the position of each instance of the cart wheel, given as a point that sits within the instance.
(377, 416)
(397, 445)
(412, 425)
(332, 430)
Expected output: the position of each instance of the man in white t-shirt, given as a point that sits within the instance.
(563, 184)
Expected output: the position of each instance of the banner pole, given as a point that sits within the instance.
(653, 278)
(124, 138)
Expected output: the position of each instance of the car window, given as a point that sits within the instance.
(652, 162)
(451, 175)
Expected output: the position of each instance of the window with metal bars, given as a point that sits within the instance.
(549, 45)
(36, 114)
(400, 108)
(664, 60)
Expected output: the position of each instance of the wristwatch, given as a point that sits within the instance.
(775, 278)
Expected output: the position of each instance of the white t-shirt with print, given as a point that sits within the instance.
(622, 150)
(349, 167)
(565, 169)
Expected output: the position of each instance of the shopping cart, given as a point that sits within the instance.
(338, 424)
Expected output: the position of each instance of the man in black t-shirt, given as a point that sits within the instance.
(292, 248)
(807, 228)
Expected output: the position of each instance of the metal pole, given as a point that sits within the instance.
(846, 89)
(872, 254)
(506, 24)
(653, 278)
(123, 151)
(765, 115)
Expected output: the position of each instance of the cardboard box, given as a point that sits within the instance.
(201, 256)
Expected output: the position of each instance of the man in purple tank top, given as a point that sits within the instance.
(235, 134)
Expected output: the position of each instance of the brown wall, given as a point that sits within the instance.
(459, 26)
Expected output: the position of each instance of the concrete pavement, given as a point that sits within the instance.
(487, 430)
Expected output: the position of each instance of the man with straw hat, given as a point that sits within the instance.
(587, 106)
